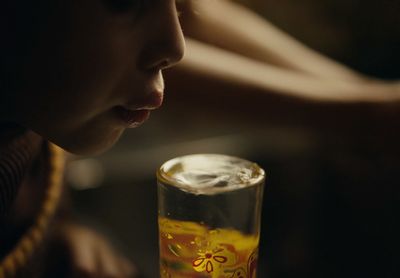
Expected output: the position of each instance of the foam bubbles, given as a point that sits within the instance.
(210, 173)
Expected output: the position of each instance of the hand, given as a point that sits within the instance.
(89, 254)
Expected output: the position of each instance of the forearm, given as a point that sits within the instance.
(225, 82)
(235, 28)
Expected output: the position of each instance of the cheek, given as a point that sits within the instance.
(98, 53)
(84, 59)
(89, 141)
(80, 80)
(91, 137)
(78, 72)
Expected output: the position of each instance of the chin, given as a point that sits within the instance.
(89, 144)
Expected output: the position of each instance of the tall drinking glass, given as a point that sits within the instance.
(209, 216)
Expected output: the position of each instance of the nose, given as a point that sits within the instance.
(166, 43)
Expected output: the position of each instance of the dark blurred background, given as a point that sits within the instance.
(363, 34)
(332, 200)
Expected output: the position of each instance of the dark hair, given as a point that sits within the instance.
(20, 22)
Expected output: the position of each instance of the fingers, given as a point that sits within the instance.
(113, 265)
(105, 264)
(93, 257)
(84, 263)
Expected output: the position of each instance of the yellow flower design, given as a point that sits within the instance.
(213, 261)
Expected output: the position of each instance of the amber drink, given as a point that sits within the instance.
(209, 216)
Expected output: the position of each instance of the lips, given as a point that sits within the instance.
(131, 118)
(138, 111)
(151, 102)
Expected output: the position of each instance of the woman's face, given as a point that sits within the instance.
(97, 70)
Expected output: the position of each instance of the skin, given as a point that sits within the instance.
(90, 59)
(83, 61)
(265, 77)
(89, 253)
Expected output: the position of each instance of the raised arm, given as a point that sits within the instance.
(233, 27)
(215, 80)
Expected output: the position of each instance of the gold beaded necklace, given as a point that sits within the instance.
(32, 239)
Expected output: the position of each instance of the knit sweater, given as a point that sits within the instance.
(17, 151)
(30, 187)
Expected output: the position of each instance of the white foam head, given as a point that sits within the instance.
(210, 173)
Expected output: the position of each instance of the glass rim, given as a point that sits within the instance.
(165, 179)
